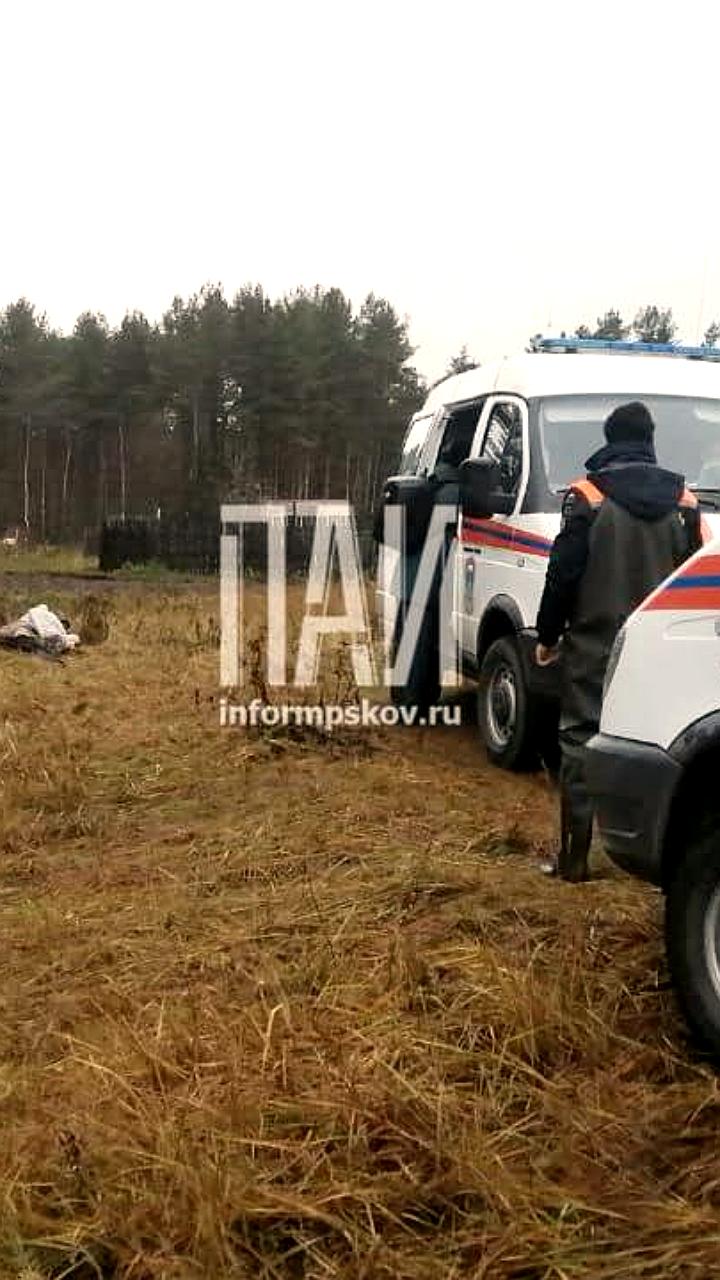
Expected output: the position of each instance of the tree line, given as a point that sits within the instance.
(302, 397)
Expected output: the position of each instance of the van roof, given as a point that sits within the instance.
(541, 373)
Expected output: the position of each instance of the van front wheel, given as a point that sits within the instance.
(692, 932)
(504, 705)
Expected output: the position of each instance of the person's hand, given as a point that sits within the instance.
(545, 655)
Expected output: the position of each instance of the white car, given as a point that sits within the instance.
(654, 766)
(499, 446)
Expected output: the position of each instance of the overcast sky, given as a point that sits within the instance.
(492, 168)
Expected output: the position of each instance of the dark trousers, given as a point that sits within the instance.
(576, 809)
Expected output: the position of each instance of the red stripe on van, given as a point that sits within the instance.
(690, 598)
(493, 533)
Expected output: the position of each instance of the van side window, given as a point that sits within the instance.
(457, 439)
(503, 444)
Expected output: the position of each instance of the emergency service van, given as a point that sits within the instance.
(653, 770)
(499, 445)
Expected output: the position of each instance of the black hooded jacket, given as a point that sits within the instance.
(629, 477)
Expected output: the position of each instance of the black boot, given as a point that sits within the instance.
(575, 841)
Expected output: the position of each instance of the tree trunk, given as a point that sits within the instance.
(123, 467)
(26, 475)
(101, 482)
(195, 463)
(377, 477)
(43, 490)
(65, 480)
(368, 483)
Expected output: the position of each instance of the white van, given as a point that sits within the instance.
(500, 444)
(653, 770)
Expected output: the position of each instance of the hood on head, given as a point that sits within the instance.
(629, 475)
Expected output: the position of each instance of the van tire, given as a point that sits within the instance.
(504, 707)
(692, 935)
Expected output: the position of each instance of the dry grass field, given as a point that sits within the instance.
(295, 1007)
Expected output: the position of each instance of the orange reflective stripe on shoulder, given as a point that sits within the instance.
(588, 491)
(689, 499)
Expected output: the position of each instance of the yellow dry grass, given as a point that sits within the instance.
(38, 558)
(275, 1008)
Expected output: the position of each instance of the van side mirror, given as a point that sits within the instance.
(417, 495)
(480, 492)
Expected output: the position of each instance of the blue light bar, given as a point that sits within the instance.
(572, 344)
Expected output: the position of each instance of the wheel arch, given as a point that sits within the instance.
(695, 805)
(501, 617)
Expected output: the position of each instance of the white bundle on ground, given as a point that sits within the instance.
(39, 629)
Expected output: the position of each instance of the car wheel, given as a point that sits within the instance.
(503, 707)
(692, 931)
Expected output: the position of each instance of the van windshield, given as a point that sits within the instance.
(687, 435)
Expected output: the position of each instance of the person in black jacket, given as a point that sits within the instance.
(624, 529)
